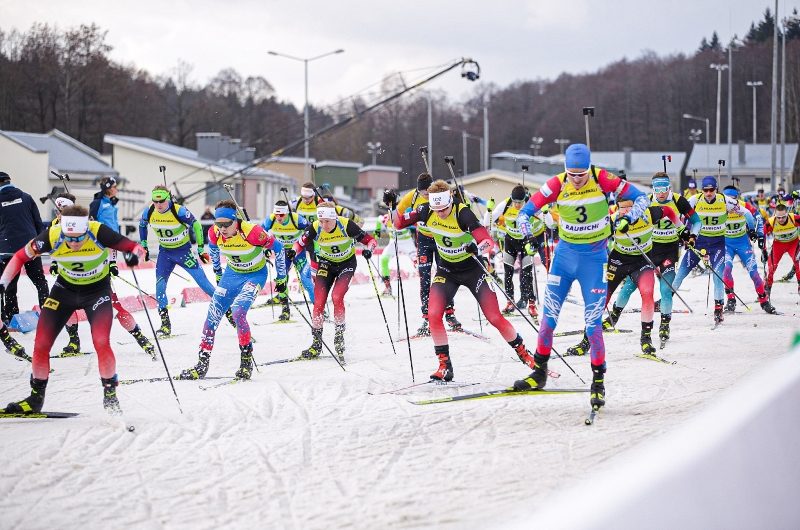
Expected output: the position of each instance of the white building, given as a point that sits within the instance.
(194, 174)
(751, 164)
(30, 157)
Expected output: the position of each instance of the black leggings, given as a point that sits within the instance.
(35, 273)
(332, 277)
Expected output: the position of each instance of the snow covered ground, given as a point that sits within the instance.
(305, 445)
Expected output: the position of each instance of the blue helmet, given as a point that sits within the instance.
(709, 182)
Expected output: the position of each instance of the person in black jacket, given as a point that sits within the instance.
(19, 223)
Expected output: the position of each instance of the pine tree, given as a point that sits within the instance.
(715, 44)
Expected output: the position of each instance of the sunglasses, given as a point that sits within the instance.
(162, 201)
(709, 190)
(223, 224)
(75, 239)
(579, 174)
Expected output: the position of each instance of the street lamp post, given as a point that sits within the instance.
(698, 118)
(561, 143)
(305, 61)
(719, 68)
(536, 144)
(374, 149)
(464, 136)
(754, 85)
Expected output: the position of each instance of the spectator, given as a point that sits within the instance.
(19, 223)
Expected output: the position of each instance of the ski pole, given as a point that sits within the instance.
(136, 286)
(401, 294)
(63, 178)
(655, 269)
(302, 290)
(711, 268)
(155, 336)
(325, 344)
(491, 278)
(163, 170)
(378, 296)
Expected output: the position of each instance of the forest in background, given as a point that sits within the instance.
(64, 78)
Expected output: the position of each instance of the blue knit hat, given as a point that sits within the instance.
(709, 182)
(577, 156)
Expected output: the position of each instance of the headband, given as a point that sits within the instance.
(160, 195)
(280, 209)
(439, 200)
(225, 211)
(71, 224)
(306, 192)
(63, 202)
(326, 212)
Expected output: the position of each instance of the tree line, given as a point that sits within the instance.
(65, 79)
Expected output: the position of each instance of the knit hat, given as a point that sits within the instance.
(709, 182)
(5, 177)
(577, 156)
(518, 193)
(692, 183)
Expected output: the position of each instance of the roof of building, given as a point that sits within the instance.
(339, 163)
(190, 157)
(499, 174)
(66, 154)
(757, 156)
(378, 167)
(642, 162)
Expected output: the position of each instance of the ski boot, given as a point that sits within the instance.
(522, 352)
(766, 305)
(610, 322)
(788, 276)
(718, 318)
(246, 365)
(286, 314)
(538, 378)
(445, 371)
(597, 392)
(424, 329)
(663, 328)
(13, 347)
(452, 321)
(582, 348)
(533, 312)
(143, 341)
(730, 305)
(313, 351)
(509, 309)
(338, 342)
(166, 326)
(74, 346)
(387, 286)
(199, 370)
(32, 403)
(521, 303)
(646, 340)
(110, 401)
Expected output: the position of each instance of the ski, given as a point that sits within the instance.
(580, 332)
(37, 415)
(155, 379)
(653, 357)
(639, 310)
(501, 393)
(776, 313)
(21, 356)
(550, 373)
(160, 337)
(592, 414)
(232, 381)
(62, 355)
(434, 383)
(471, 334)
(412, 337)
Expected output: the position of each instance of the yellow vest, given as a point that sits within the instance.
(87, 265)
(241, 254)
(335, 246)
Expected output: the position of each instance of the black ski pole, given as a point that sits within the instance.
(655, 269)
(152, 329)
(163, 170)
(380, 303)
(136, 286)
(402, 294)
(715, 273)
(325, 344)
(491, 278)
(63, 178)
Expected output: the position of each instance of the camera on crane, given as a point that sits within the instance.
(470, 70)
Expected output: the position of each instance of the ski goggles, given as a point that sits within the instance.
(160, 196)
(661, 188)
(75, 239)
(781, 218)
(578, 174)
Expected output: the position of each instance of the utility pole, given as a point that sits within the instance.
(719, 68)
(773, 128)
(754, 85)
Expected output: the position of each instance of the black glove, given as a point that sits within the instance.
(367, 253)
(280, 285)
(131, 260)
(622, 226)
(531, 246)
(472, 248)
(752, 234)
(113, 270)
(764, 256)
(54, 268)
(390, 198)
(762, 244)
(146, 251)
(289, 253)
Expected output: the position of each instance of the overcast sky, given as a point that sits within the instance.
(511, 39)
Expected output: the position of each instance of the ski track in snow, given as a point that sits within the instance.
(303, 445)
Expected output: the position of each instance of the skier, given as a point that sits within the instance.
(737, 243)
(713, 209)
(459, 237)
(81, 248)
(242, 243)
(426, 247)
(784, 229)
(104, 209)
(584, 227)
(172, 224)
(626, 261)
(665, 252)
(405, 246)
(336, 256)
(504, 216)
(306, 204)
(288, 226)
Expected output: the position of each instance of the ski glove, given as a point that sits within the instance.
(390, 198)
(531, 246)
(146, 251)
(113, 270)
(763, 256)
(623, 225)
(289, 253)
(762, 244)
(131, 260)
(54, 268)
